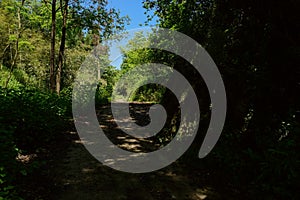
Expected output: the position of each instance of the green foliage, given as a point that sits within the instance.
(14, 83)
(149, 93)
(255, 45)
(30, 122)
(9, 167)
(105, 87)
(31, 119)
(137, 54)
(38, 121)
(270, 171)
(25, 39)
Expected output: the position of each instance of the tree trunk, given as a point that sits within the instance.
(52, 51)
(62, 45)
(14, 58)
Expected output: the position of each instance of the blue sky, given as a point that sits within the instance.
(134, 9)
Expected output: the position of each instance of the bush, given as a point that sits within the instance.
(30, 122)
(9, 167)
(269, 169)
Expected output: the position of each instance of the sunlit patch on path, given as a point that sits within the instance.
(78, 175)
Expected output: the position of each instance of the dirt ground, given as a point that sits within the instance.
(77, 175)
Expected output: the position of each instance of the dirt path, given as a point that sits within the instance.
(79, 176)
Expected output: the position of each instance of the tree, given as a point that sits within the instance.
(25, 57)
(64, 10)
(255, 45)
(52, 50)
(94, 17)
(15, 35)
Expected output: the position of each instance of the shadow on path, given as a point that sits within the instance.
(77, 175)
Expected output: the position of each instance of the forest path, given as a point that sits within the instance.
(77, 175)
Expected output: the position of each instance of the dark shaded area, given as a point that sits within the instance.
(78, 175)
(256, 46)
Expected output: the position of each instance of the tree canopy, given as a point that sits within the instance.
(255, 44)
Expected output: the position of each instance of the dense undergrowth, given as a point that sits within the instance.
(30, 122)
(269, 169)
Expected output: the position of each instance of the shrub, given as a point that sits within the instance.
(30, 121)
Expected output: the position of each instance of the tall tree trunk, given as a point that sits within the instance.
(14, 58)
(52, 51)
(64, 9)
